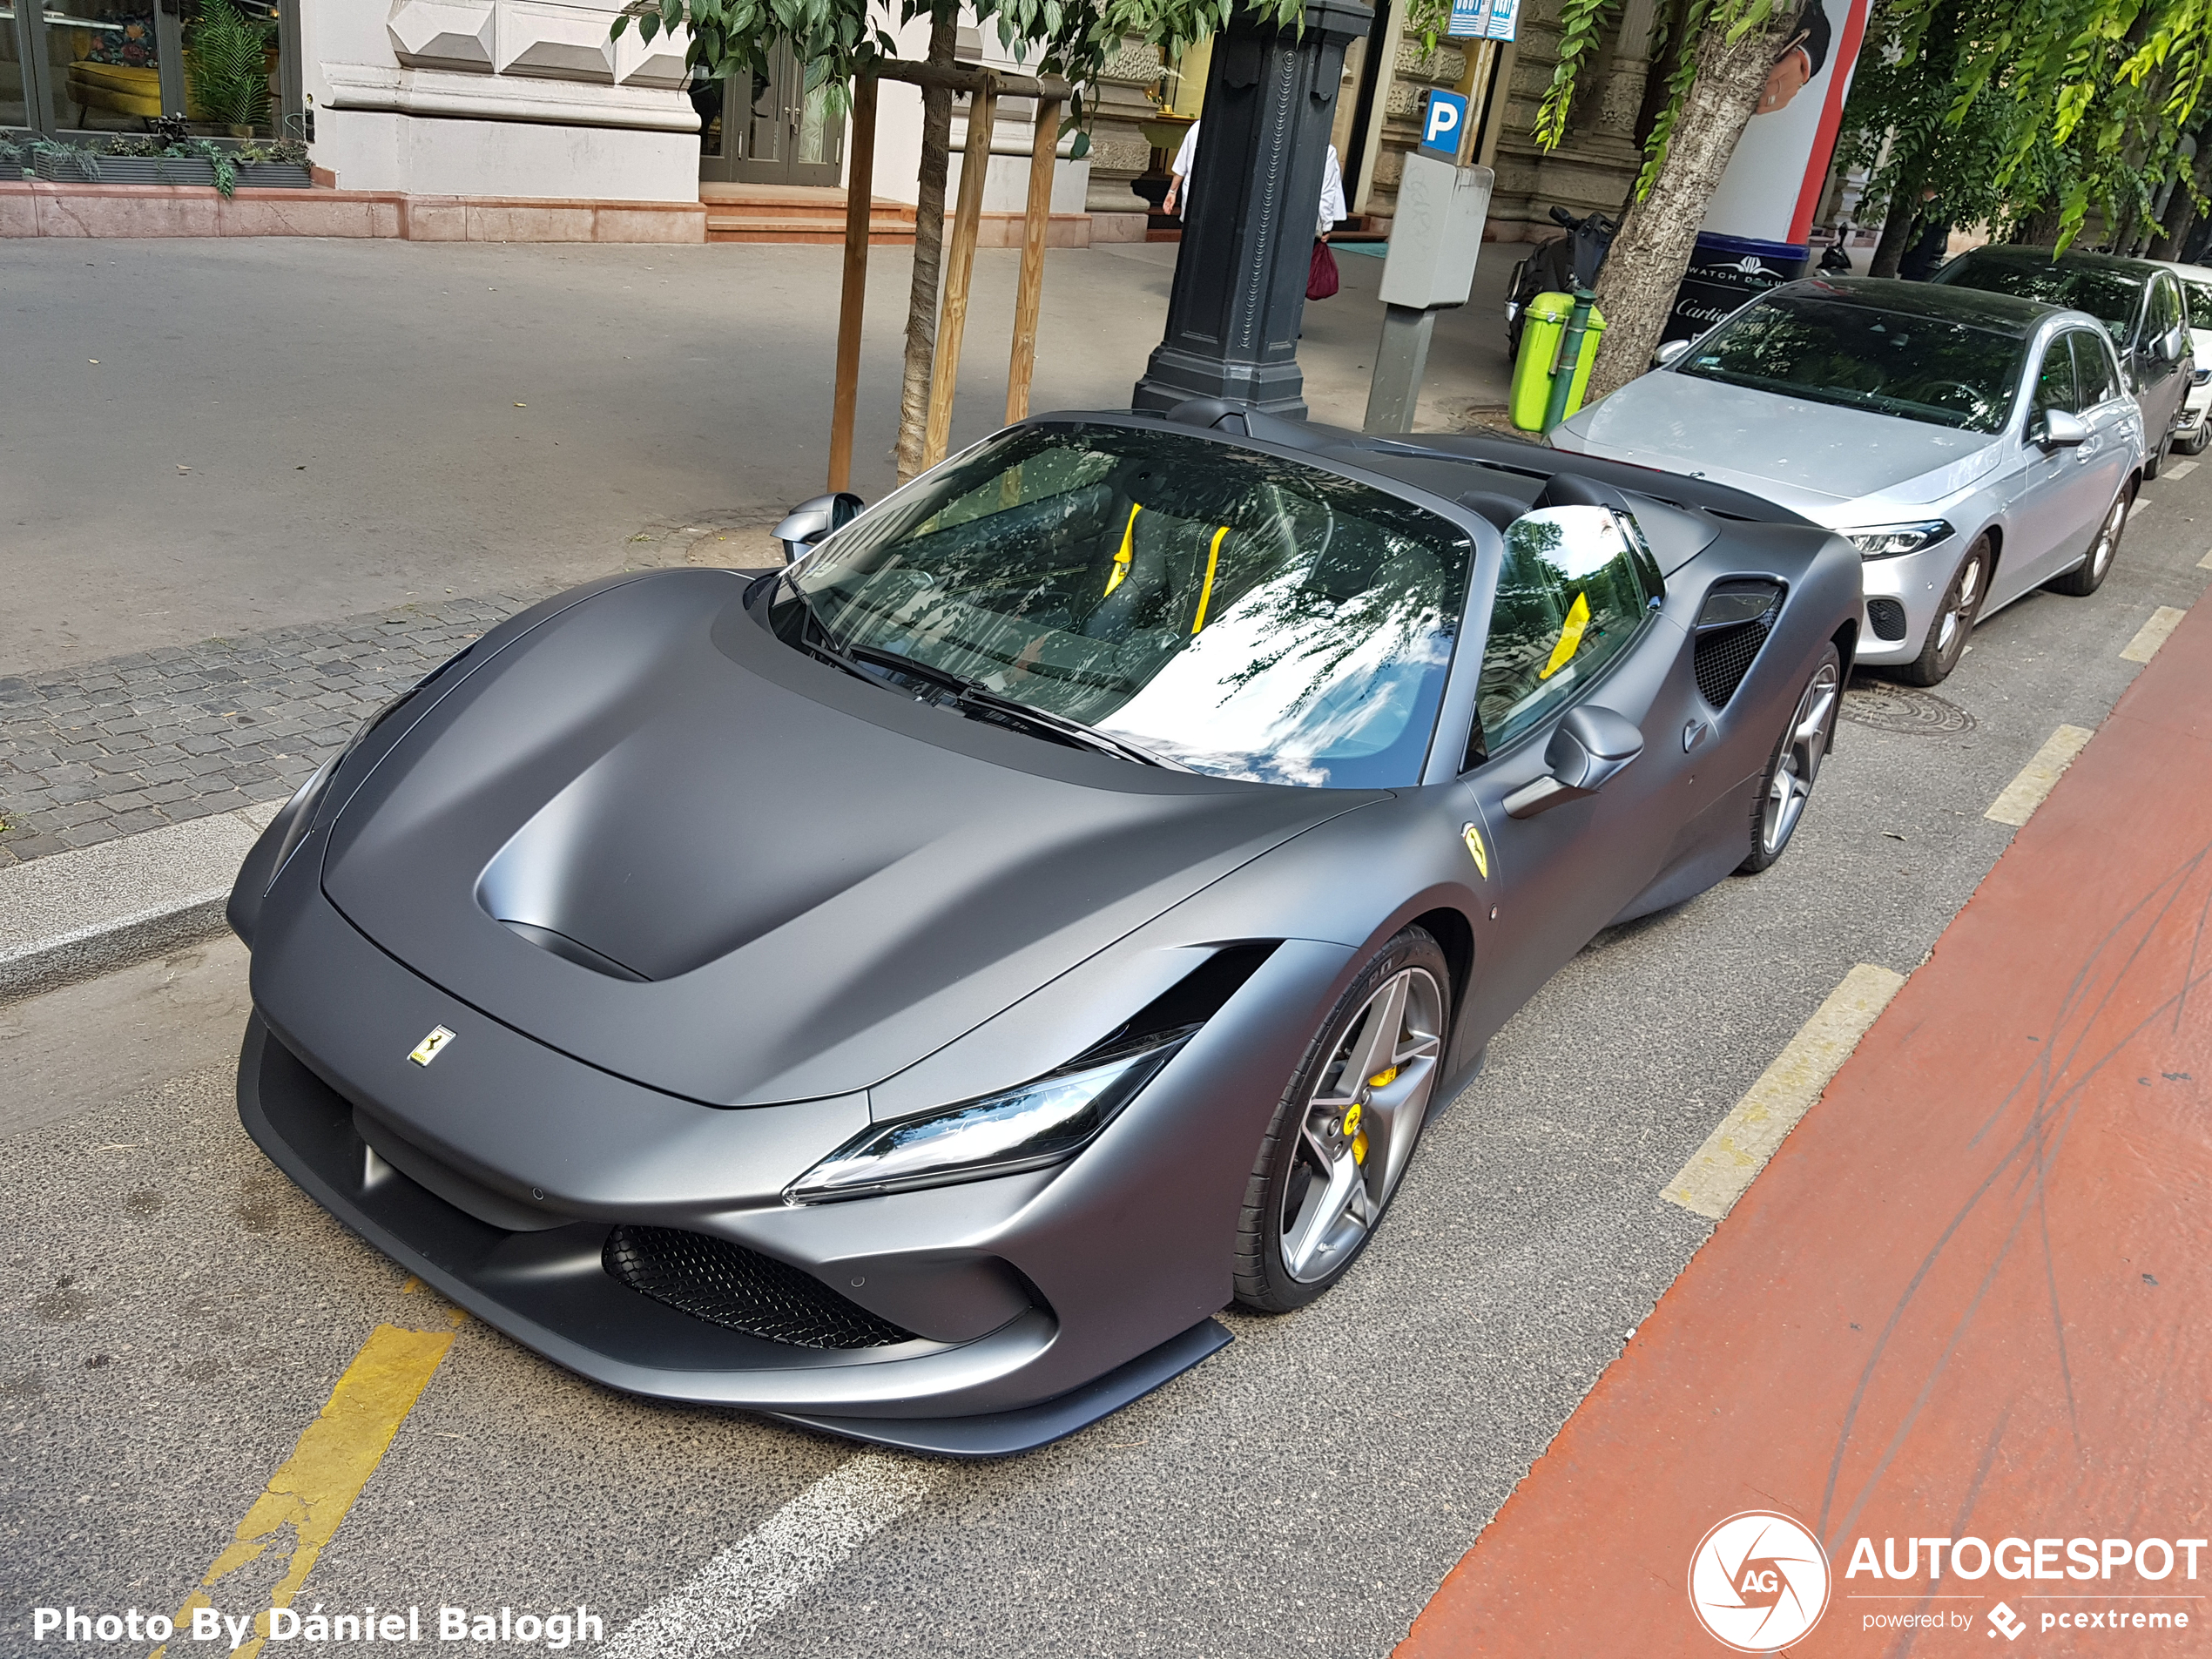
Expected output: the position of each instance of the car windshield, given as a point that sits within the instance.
(1225, 610)
(2109, 296)
(1919, 368)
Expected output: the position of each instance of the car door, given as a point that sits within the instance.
(2156, 362)
(2108, 411)
(2050, 520)
(1572, 626)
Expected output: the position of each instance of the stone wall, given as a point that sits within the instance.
(509, 98)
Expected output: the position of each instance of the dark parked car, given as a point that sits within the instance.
(2140, 304)
(909, 993)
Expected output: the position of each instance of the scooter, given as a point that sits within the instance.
(1552, 267)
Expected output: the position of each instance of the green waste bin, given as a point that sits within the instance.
(1543, 328)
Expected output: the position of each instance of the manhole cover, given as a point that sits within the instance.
(1887, 707)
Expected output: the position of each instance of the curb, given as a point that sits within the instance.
(74, 915)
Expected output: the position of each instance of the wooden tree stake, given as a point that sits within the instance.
(982, 107)
(859, 202)
(1036, 219)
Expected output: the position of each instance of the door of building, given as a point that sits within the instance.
(765, 128)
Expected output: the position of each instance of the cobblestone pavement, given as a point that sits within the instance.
(139, 742)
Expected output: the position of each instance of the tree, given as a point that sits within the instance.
(1721, 53)
(835, 40)
(2073, 103)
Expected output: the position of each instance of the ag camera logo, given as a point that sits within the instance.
(1758, 1581)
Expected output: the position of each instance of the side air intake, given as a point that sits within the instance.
(1734, 624)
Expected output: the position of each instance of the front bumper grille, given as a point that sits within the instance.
(741, 1290)
(1886, 618)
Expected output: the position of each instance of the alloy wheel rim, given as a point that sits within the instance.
(1958, 614)
(1359, 1125)
(2108, 538)
(1801, 754)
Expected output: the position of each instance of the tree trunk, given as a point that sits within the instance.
(2039, 228)
(2180, 206)
(1897, 228)
(1636, 291)
(929, 244)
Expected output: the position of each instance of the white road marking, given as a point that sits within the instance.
(2178, 469)
(2205, 563)
(1719, 1172)
(2152, 634)
(2026, 792)
(747, 1582)
(2143, 505)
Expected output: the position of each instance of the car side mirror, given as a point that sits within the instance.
(2169, 346)
(1588, 748)
(1669, 352)
(811, 521)
(2056, 430)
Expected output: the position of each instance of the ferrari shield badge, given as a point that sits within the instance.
(431, 1046)
(1473, 836)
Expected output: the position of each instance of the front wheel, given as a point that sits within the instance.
(1344, 1130)
(1798, 754)
(1946, 640)
(2152, 467)
(2088, 575)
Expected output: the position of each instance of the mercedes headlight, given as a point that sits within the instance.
(1039, 1123)
(1890, 541)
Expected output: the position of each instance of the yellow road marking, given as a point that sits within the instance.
(2152, 634)
(1719, 1171)
(314, 1489)
(2026, 792)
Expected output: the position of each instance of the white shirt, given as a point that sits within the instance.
(1332, 207)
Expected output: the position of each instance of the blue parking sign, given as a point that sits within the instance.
(1443, 122)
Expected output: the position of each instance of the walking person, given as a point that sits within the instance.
(1177, 200)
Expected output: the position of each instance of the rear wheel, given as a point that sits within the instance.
(2192, 441)
(1797, 755)
(1946, 640)
(2087, 576)
(1345, 1130)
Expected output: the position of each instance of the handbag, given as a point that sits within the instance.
(1321, 277)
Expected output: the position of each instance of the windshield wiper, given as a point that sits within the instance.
(970, 694)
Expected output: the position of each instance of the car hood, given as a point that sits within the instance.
(1819, 459)
(654, 837)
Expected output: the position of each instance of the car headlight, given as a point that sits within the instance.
(1039, 1123)
(1889, 541)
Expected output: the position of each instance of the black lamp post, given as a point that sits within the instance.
(1252, 196)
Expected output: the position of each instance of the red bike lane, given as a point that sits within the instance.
(1970, 1297)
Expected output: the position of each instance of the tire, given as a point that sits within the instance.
(1324, 1178)
(1779, 806)
(2193, 444)
(2088, 575)
(1947, 634)
(2158, 456)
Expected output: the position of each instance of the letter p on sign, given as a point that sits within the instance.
(1440, 127)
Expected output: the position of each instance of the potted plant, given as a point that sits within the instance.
(226, 68)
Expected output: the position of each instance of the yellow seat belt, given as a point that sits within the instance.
(1213, 558)
(1122, 559)
(1570, 636)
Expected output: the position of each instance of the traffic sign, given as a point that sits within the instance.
(1444, 121)
(1484, 19)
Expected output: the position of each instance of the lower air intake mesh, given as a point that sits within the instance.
(1886, 618)
(1724, 656)
(727, 1284)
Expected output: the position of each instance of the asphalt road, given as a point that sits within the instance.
(219, 438)
(176, 1313)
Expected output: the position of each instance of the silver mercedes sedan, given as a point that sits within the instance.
(1973, 445)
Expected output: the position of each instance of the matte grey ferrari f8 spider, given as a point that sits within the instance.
(909, 993)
